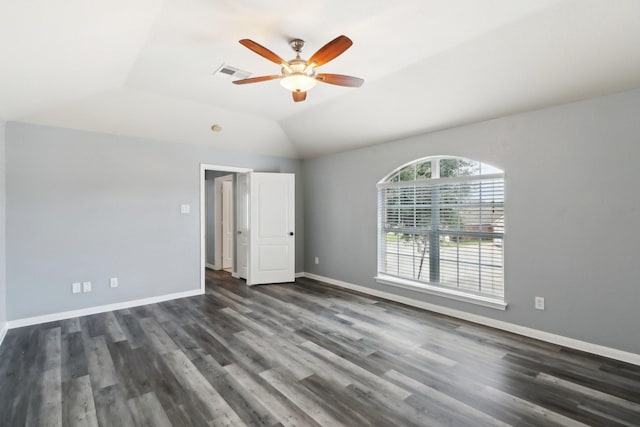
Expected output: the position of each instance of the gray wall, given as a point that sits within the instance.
(210, 203)
(3, 269)
(572, 214)
(84, 206)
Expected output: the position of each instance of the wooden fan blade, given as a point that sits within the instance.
(299, 96)
(255, 79)
(262, 51)
(330, 50)
(340, 80)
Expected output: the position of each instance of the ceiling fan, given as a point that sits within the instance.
(299, 75)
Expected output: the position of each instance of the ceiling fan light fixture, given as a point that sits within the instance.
(298, 82)
(299, 75)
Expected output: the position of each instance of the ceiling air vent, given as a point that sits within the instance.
(229, 72)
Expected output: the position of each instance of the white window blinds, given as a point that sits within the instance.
(444, 231)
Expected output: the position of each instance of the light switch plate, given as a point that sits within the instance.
(113, 282)
(86, 286)
(76, 287)
(539, 303)
(185, 209)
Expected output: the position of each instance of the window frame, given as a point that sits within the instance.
(393, 180)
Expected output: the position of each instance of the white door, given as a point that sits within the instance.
(227, 224)
(271, 228)
(242, 225)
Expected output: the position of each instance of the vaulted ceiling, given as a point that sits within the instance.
(145, 68)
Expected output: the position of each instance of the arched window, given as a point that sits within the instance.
(441, 226)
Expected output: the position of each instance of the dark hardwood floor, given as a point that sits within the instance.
(300, 355)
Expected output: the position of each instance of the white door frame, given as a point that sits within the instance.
(203, 224)
(242, 226)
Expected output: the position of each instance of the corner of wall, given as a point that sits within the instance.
(3, 234)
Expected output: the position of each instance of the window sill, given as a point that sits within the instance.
(442, 292)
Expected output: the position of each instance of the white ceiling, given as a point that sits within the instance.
(145, 67)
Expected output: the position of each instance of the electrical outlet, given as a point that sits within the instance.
(86, 286)
(76, 287)
(317, 260)
(113, 282)
(539, 304)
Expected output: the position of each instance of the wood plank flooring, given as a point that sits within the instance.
(301, 354)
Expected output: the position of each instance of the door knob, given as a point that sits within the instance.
(239, 231)
(291, 233)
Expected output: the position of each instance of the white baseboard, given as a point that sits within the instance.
(28, 321)
(211, 266)
(235, 275)
(3, 332)
(588, 347)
